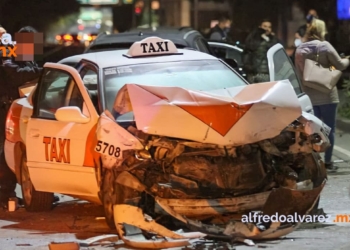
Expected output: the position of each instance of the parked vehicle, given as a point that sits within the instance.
(182, 38)
(229, 51)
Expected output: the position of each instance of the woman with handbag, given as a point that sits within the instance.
(320, 66)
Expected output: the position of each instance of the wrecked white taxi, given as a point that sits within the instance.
(167, 138)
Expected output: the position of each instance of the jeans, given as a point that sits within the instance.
(327, 113)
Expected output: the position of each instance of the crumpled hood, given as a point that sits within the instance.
(232, 116)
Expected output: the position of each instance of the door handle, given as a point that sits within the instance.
(25, 119)
(34, 133)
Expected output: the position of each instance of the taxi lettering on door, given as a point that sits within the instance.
(57, 149)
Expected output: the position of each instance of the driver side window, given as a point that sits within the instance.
(57, 89)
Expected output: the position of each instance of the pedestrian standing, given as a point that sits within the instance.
(324, 104)
(310, 17)
(13, 75)
(220, 31)
(257, 44)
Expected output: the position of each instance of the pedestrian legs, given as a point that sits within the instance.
(327, 113)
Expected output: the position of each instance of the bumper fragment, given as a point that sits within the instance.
(281, 201)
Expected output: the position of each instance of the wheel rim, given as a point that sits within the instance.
(27, 186)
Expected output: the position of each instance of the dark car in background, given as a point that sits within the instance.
(229, 51)
(78, 35)
(184, 37)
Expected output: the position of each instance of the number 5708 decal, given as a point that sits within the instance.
(106, 148)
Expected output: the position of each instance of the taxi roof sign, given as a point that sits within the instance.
(152, 46)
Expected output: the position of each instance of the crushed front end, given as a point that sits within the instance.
(209, 169)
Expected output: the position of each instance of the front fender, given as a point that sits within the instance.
(113, 140)
(313, 125)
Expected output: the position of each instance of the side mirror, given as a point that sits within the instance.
(71, 114)
(231, 62)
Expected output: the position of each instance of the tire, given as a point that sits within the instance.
(112, 194)
(34, 201)
(108, 196)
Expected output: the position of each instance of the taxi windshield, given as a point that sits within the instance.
(202, 75)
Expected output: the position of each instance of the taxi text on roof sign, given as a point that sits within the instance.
(152, 46)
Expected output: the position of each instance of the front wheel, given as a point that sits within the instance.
(108, 196)
(113, 193)
(34, 201)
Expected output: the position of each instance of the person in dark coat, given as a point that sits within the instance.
(220, 31)
(13, 75)
(258, 42)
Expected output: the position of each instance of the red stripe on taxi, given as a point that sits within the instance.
(13, 132)
(91, 156)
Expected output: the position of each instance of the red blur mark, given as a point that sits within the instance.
(138, 10)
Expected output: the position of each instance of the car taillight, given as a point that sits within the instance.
(68, 37)
(12, 131)
(58, 38)
(87, 38)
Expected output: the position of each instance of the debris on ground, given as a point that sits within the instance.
(64, 246)
(101, 240)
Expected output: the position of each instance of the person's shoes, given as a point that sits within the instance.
(331, 167)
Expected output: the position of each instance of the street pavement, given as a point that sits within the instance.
(75, 220)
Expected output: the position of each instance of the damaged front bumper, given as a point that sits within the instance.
(224, 226)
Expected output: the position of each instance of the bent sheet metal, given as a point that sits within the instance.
(282, 201)
(224, 117)
(200, 160)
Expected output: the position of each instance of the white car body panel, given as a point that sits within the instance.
(67, 174)
(202, 116)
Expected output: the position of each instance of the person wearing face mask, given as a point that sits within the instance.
(258, 42)
(310, 17)
(220, 31)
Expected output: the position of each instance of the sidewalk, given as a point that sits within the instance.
(343, 124)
